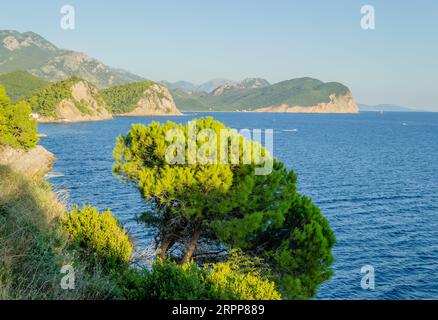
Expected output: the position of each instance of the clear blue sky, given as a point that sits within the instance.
(277, 40)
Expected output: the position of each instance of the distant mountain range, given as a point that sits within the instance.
(215, 84)
(30, 52)
(387, 108)
(186, 86)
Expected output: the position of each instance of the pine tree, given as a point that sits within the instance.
(197, 206)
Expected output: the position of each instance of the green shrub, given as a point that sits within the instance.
(99, 233)
(231, 280)
(132, 282)
(170, 281)
(240, 278)
(16, 127)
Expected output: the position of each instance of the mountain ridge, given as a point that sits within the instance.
(188, 86)
(29, 51)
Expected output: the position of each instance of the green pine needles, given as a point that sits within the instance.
(16, 128)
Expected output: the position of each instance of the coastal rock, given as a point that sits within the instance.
(156, 101)
(85, 104)
(337, 104)
(35, 162)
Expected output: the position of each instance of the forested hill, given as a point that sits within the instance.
(140, 99)
(21, 84)
(70, 100)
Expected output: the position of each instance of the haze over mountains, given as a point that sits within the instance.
(214, 84)
(208, 86)
(387, 108)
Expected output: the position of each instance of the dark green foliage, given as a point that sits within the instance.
(124, 98)
(132, 282)
(21, 84)
(298, 250)
(169, 281)
(304, 257)
(297, 92)
(229, 206)
(16, 127)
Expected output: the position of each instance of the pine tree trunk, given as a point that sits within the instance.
(193, 242)
(165, 246)
(168, 240)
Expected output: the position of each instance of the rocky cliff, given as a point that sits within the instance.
(145, 98)
(337, 104)
(72, 100)
(35, 162)
(156, 101)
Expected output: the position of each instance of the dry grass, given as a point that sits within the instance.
(33, 248)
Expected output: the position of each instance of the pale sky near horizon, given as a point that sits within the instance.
(194, 40)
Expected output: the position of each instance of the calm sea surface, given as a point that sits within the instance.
(375, 176)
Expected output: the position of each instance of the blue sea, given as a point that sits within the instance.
(375, 177)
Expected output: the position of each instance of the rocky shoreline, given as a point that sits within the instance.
(337, 105)
(35, 162)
